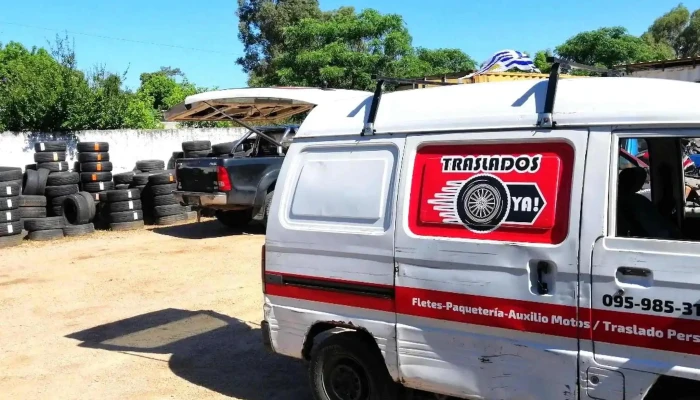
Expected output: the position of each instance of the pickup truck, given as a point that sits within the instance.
(239, 186)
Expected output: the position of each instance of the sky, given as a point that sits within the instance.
(201, 38)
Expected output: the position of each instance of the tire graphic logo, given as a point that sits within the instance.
(482, 203)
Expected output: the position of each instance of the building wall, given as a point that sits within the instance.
(125, 146)
(688, 74)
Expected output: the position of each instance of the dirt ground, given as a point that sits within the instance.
(169, 312)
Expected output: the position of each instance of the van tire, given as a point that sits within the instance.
(234, 219)
(491, 217)
(347, 355)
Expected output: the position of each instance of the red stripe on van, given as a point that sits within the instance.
(624, 328)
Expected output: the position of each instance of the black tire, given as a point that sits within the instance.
(55, 211)
(64, 190)
(234, 219)
(196, 145)
(10, 189)
(93, 157)
(123, 186)
(62, 179)
(102, 166)
(10, 241)
(53, 156)
(120, 206)
(30, 166)
(123, 178)
(42, 224)
(126, 226)
(10, 215)
(349, 356)
(141, 178)
(113, 196)
(126, 216)
(32, 212)
(91, 203)
(76, 210)
(483, 218)
(10, 174)
(197, 154)
(78, 230)
(9, 203)
(93, 147)
(10, 228)
(164, 200)
(222, 148)
(53, 146)
(59, 166)
(173, 159)
(161, 190)
(43, 178)
(268, 204)
(95, 177)
(32, 201)
(76, 165)
(48, 234)
(56, 201)
(30, 182)
(150, 165)
(165, 211)
(95, 187)
(98, 197)
(163, 178)
(170, 219)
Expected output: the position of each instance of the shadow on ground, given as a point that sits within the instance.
(207, 230)
(209, 349)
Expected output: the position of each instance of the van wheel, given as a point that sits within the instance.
(234, 219)
(482, 203)
(343, 367)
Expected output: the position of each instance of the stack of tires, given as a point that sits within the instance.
(59, 185)
(95, 168)
(78, 211)
(10, 220)
(166, 210)
(49, 228)
(144, 169)
(123, 180)
(50, 156)
(196, 148)
(32, 207)
(122, 208)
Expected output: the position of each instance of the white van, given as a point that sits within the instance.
(488, 241)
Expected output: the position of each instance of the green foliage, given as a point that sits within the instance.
(678, 30)
(610, 46)
(343, 49)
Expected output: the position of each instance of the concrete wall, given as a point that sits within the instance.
(688, 74)
(125, 146)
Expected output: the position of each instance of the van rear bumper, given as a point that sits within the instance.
(266, 337)
(201, 198)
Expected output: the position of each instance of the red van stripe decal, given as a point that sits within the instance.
(624, 328)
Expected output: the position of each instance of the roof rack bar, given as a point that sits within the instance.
(369, 125)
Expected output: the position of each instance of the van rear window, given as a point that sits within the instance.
(506, 192)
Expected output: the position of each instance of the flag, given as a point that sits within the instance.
(505, 60)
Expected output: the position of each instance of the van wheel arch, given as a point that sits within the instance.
(674, 388)
(320, 331)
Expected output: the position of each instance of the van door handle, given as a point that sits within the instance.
(631, 271)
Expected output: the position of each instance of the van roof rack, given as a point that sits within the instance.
(545, 118)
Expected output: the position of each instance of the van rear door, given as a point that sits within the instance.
(487, 256)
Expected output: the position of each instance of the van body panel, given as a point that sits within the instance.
(459, 290)
(330, 241)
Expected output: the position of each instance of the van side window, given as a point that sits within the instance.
(670, 208)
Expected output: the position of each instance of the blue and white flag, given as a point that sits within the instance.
(505, 60)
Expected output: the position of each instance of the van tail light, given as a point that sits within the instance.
(222, 177)
(262, 268)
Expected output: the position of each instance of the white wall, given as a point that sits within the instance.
(125, 146)
(688, 74)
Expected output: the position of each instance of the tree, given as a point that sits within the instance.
(678, 29)
(261, 28)
(540, 61)
(343, 49)
(609, 47)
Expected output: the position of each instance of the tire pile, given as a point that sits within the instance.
(60, 185)
(123, 180)
(95, 168)
(78, 211)
(166, 209)
(196, 148)
(10, 220)
(139, 180)
(123, 209)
